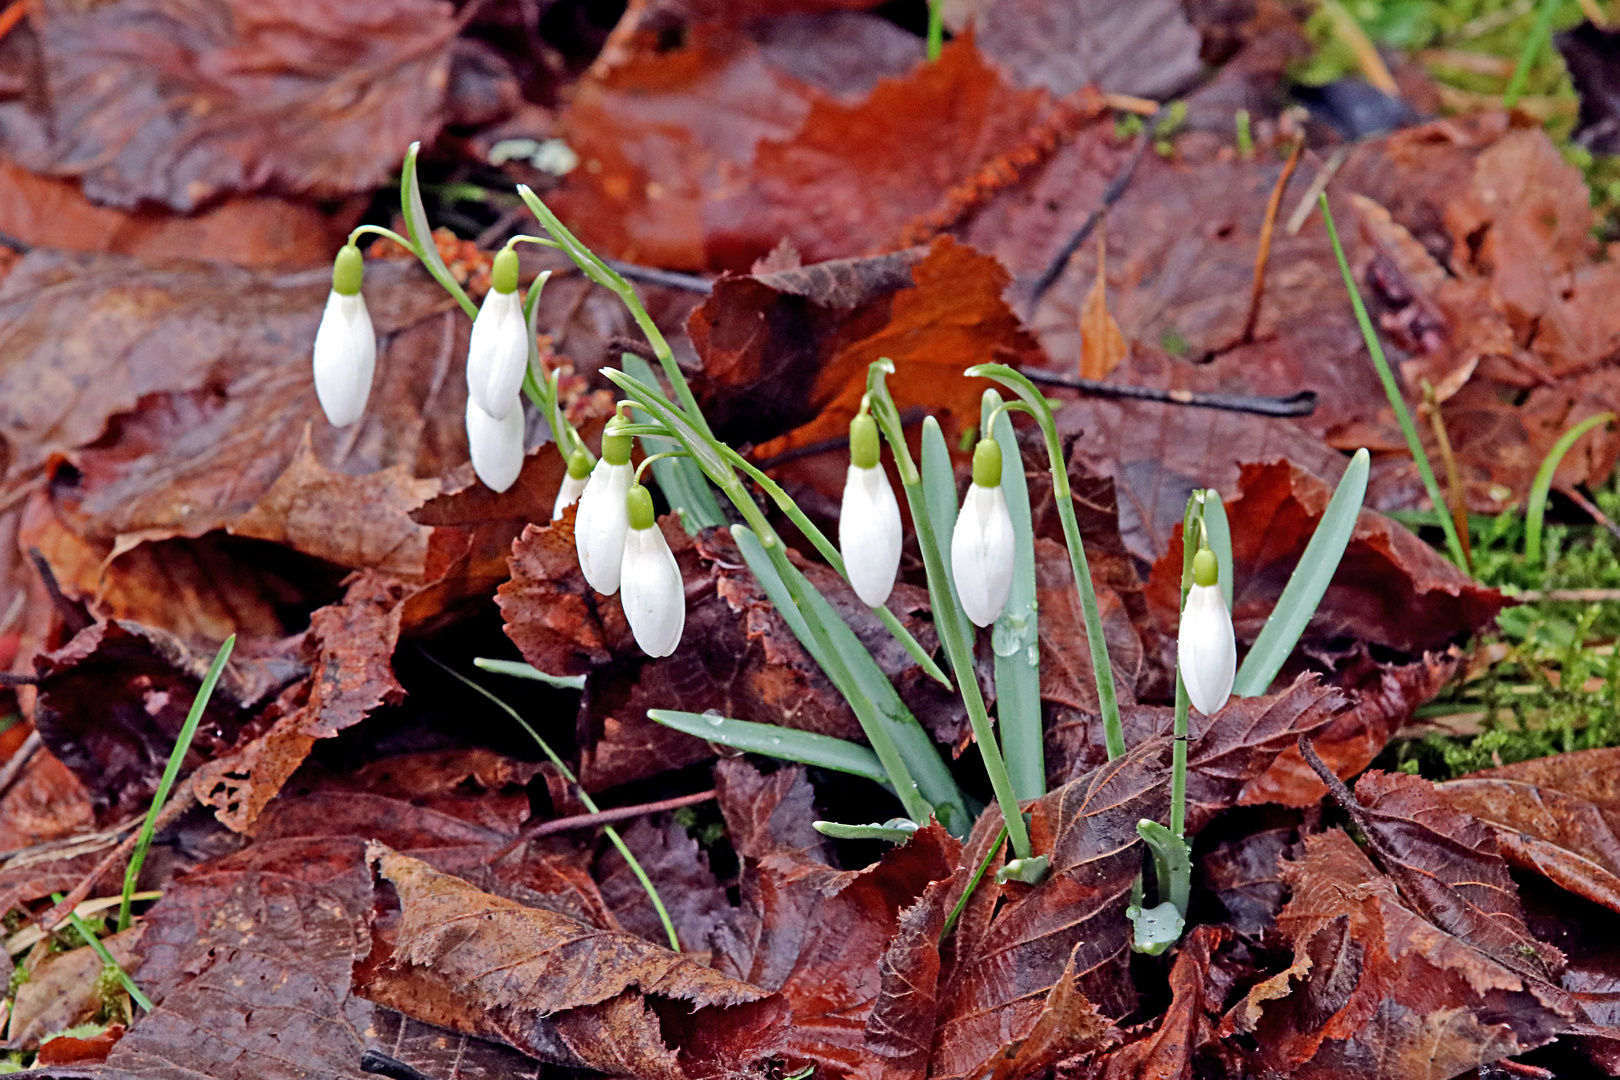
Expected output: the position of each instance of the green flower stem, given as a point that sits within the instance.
(948, 615)
(1102, 671)
(378, 230)
(1192, 529)
(936, 28)
(835, 559)
(599, 272)
(421, 233)
(171, 772)
(1393, 392)
(584, 797)
(710, 457)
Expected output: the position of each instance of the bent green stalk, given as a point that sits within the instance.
(948, 615)
(1535, 508)
(1102, 671)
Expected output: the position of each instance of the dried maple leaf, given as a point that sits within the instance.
(1377, 991)
(156, 101)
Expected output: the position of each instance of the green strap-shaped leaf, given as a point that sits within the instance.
(1219, 533)
(1306, 585)
(519, 670)
(805, 747)
(894, 831)
(685, 487)
(916, 747)
(1535, 509)
(1015, 639)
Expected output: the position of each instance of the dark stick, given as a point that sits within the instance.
(1111, 195)
(668, 278)
(1300, 404)
(74, 617)
(18, 761)
(601, 817)
(379, 1063)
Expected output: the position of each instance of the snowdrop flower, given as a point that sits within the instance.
(600, 524)
(654, 596)
(1206, 651)
(573, 485)
(982, 545)
(498, 354)
(345, 347)
(869, 523)
(496, 445)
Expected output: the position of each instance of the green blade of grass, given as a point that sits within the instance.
(1535, 508)
(519, 670)
(1527, 55)
(933, 778)
(171, 772)
(1015, 638)
(1307, 584)
(788, 744)
(1393, 391)
(101, 950)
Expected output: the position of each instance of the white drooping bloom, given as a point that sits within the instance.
(601, 522)
(1206, 650)
(498, 354)
(651, 588)
(869, 533)
(496, 446)
(345, 346)
(982, 543)
(573, 485)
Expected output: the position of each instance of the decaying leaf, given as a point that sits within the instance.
(1102, 343)
(61, 989)
(1190, 1023)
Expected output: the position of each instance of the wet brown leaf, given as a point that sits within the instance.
(1377, 991)
(1189, 1024)
(61, 989)
(1068, 1025)
(694, 899)
(155, 101)
(1555, 816)
(1447, 867)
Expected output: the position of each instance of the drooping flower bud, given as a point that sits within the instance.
(869, 524)
(573, 485)
(1206, 651)
(498, 354)
(982, 545)
(496, 446)
(600, 524)
(651, 588)
(345, 346)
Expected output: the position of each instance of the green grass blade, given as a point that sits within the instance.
(1015, 637)
(1527, 55)
(171, 772)
(101, 950)
(933, 778)
(1535, 510)
(519, 670)
(685, 487)
(1393, 391)
(1219, 533)
(805, 747)
(1306, 585)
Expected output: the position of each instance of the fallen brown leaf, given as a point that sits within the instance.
(61, 989)
(1189, 1024)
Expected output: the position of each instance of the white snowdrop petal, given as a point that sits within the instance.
(496, 446)
(568, 494)
(869, 534)
(982, 554)
(1206, 649)
(498, 354)
(652, 592)
(345, 358)
(600, 525)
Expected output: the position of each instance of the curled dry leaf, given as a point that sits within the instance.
(520, 965)
(349, 649)
(1376, 990)
(1189, 1024)
(1556, 816)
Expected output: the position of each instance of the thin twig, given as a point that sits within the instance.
(1300, 404)
(1574, 495)
(1568, 596)
(599, 818)
(1319, 183)
(1116, 189)
(1263, 255)
(19, 761)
